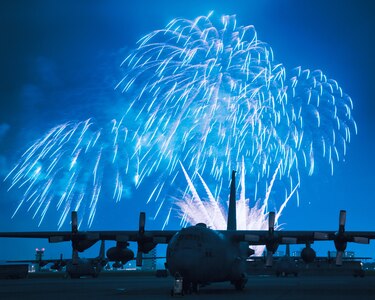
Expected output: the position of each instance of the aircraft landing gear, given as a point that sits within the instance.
(182, 287)
(178, 287)
(190, 287)
(240, 284)
(195, 287)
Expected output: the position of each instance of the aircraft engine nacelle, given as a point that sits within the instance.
(272, 246)
(146, 247)
(120, 254)
(340, 245)
(308, 254)
(84, 244)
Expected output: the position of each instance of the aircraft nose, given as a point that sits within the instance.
(185, 262)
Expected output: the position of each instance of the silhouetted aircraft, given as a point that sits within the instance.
(57, 263)
(76, 266)
(286, 264)
(202, 255)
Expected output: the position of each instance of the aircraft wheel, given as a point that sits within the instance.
(239, 284)
(186, 287)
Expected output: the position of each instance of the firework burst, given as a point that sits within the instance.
(194, 209)
(66, 169)
(209, 95)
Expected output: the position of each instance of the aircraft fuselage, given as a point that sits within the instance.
(84, 267)
(202, 255)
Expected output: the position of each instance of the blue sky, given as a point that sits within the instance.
(59, 62)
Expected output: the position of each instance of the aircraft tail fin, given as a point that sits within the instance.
(232, 218)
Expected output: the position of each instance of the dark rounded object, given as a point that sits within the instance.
(308, 254)
(120, 254)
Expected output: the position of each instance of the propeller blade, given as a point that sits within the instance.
(341, 239)
(361, 240)
(142, 222)
(271, 221)
(269, 259)
(74, 222)
(74, 241)
(139, 259)
(102, 251)
(75, 257)
(271, 243)
(339, 256)
(74, 237)
(141, 232)
(287, 250)
(342, 220)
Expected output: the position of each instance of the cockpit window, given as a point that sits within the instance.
(188, 240)
(191, 237)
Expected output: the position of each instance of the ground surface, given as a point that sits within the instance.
(150, 287)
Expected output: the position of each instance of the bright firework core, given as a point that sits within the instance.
(204, 96)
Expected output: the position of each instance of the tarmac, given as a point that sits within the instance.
(150, 287)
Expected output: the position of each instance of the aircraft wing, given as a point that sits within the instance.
(82, 240)
(254, 237)
(262, 237)
(157, 236)
(272, 238)
(33, 261)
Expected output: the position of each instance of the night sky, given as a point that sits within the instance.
(59, 61)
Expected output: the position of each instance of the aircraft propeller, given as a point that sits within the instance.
(271, 243)
(79, 242)
(341, 239)
(145, 243)
(141, 233)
